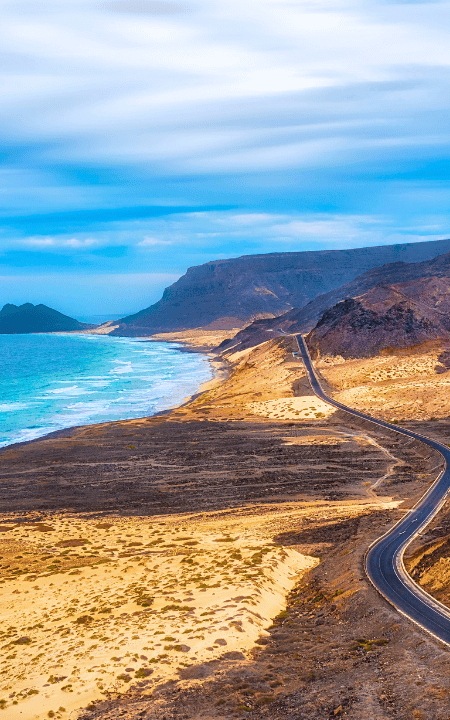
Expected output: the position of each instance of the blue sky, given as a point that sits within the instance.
(141, 137)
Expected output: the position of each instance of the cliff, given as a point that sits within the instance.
(425, 283)
(232, 293)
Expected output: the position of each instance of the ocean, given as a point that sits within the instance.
(49, 382)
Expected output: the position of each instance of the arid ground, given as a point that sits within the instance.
(208, 562)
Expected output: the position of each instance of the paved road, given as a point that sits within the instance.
(383, 562)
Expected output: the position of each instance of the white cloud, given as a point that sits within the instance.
(80, 243)
(144, 6)
(152, 242)
(58, 242)
(262, 105)
(253, 218)
(269, 232)
(171, 77)
(39, 242)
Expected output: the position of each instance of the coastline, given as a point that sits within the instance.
(219, 369)
(194, 342)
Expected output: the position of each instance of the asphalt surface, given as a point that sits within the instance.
(383, 562)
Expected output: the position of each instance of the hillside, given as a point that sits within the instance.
(358, 328)
(426, 284)
(28, 318)
(231, 293)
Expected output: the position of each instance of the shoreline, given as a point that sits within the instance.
(221, 366)
(221, 372)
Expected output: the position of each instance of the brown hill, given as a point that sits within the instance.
(427, 284)
(232, 293)
(351, 329)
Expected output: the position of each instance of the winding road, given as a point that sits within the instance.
(384, 558)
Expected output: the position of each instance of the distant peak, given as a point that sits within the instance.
(29, 318)
(8, 309)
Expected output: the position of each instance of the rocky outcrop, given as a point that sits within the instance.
(353, 329)
(226, 293)
(28, 318)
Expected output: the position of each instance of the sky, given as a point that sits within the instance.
(141, 137)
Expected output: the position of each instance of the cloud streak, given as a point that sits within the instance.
(145, 125)
(145, 7)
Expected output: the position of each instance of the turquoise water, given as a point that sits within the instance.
(50, 382)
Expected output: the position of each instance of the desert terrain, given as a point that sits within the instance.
(408, 384)
(208, 562)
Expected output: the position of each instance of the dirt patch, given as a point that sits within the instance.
(172, 463)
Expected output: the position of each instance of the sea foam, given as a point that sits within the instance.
(50, 382)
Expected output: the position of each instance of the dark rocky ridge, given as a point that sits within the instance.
(427, 284)
(28, 318)
(353, 329)
(227, 293)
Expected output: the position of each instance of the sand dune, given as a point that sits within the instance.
(130, 601)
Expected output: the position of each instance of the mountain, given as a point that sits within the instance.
(28, 318)
(379, 320)
(231, 293)
(426, 282)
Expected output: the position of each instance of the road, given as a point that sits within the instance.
(384, 559)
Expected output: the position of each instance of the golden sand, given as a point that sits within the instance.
(294, 408)
(130, 600)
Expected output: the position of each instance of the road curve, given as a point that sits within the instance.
(384, 558)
